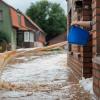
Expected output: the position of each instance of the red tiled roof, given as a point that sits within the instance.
(22, 21)
(33, 23)
(14, 18)
(23, 25)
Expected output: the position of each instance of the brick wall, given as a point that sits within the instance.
(81, 59)
(96, 47)
(96, 80)
(87, 50)
(58, 39)
(75, 65)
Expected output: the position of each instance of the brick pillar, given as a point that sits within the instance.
(96, 26)
(82, 64)
(87, 50)
(68, 26)
(96, 48)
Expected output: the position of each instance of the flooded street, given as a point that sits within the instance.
(45, 77)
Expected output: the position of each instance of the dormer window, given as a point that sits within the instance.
(1, 15)
(19, 18)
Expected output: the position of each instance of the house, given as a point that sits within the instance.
(58, 39)
(85, 61)
(39, 35)
(17, 28)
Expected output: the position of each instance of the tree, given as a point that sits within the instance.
(49, 16)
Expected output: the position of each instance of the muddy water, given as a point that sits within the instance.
(44, 78)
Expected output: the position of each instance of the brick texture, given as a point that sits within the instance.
(83, 65)
(96, 80)
(96, 46)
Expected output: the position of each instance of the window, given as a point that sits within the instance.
(26, 37)
(31, 37)
(1, 15)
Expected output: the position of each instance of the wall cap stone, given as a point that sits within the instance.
(96, 60)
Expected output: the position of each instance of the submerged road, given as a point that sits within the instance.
(45, 77)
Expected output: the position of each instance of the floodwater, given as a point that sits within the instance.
(45, 78)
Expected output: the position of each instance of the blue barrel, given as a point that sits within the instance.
(78, 36)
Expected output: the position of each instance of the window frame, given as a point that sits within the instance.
(26, 36)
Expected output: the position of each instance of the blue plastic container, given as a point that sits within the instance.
(78, 36)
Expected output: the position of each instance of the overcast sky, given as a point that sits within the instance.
(24, 4)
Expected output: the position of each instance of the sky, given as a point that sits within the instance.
(24, 4)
